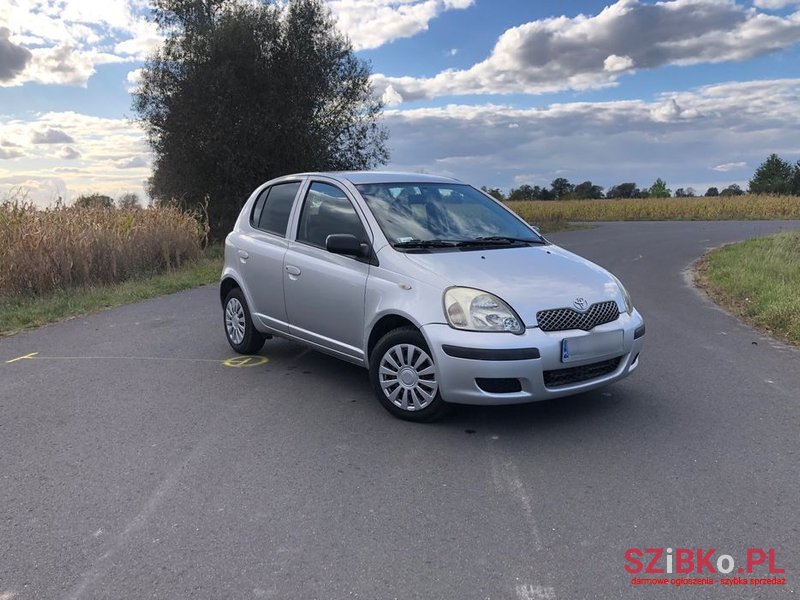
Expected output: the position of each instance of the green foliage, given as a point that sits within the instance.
(773, 176)
(128, 201)
(94, 201)
(711, 192)
(587, 191)
(624, 190)
(561, 188)
(495, 193)
(659, 189)
(527, 192)
(732, 190)
(760, 281)
(241, 92)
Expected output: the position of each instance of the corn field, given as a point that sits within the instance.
(61, 247)
(661, 209)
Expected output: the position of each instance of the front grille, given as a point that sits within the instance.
(559, 377)
(561, 319)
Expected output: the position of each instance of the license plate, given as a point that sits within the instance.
(594, 345)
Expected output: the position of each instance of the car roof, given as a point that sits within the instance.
(359, 177)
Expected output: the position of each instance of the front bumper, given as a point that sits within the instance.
(502, 368)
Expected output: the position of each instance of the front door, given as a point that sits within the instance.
(325, 292)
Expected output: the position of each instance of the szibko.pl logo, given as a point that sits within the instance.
(703, 565)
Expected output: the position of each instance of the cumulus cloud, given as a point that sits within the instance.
(69, 153)
(103, 143)
(51, 135)
(133, 79)
(671, 137)
(135, 162)
(372, 23)
(586, 52)
(68, 39)
(7, 153)
(774, 4)
(13, 58)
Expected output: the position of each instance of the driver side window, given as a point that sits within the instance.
(327, 210)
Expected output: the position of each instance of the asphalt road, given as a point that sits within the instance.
(135, 464)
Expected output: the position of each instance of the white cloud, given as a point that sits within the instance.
(672, 137)
(69, 153)
(66, 40)
(113, 156)
(8, 153)
(372, 23)
(774, 4)
(51, 135)
(13, 58)
(133, 79)
(586, 52)
(731, 166)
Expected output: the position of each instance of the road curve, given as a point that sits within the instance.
(134, 463)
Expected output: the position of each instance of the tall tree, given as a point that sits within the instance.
(624, 190)
(129, 200)
(587, 190)
(561, 188)
(712, 192)
(241, 92)
(94, 201)
(732, 190)
(659, 189)
(773, 176)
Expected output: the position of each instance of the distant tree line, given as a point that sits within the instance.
(773, 176)
(102, 201)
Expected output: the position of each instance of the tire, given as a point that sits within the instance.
(243, 337)
(415, 398)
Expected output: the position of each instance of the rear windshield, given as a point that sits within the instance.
(409, 212)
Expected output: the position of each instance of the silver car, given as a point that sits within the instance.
(442, 292)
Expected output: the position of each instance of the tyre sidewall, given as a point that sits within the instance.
(253, 340)
(405, 335)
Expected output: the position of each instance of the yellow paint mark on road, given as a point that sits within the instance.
(236, 361)
(13, 360)
(240, 362)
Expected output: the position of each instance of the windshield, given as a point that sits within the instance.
(442, 212)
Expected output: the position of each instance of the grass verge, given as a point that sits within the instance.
(22, 313)
(758, 280)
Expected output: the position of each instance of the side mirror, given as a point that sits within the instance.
(345, 243)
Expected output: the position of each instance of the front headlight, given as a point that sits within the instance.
(476, 310)
(626, 296)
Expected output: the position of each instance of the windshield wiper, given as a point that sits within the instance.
(502, 239)
(427, 244)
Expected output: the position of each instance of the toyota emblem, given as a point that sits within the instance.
(581, 304)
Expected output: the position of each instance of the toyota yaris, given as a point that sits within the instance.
(442, 292)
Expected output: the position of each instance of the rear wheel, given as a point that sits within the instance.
(243, 337)
(405, 378)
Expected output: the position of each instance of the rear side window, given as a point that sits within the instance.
(326, 211)
(273, 215)
(258, 207)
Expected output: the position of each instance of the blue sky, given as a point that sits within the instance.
(495, 92)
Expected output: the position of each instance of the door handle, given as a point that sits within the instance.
(243, 255)
(292, 270)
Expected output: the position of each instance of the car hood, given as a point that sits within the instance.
(529, 279)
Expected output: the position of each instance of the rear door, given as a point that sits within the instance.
(325, 292)
(261, 253)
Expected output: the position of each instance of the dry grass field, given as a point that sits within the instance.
(660, 209)
(66, 247)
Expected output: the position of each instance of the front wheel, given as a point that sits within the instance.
(243, 337)
(405, 378)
